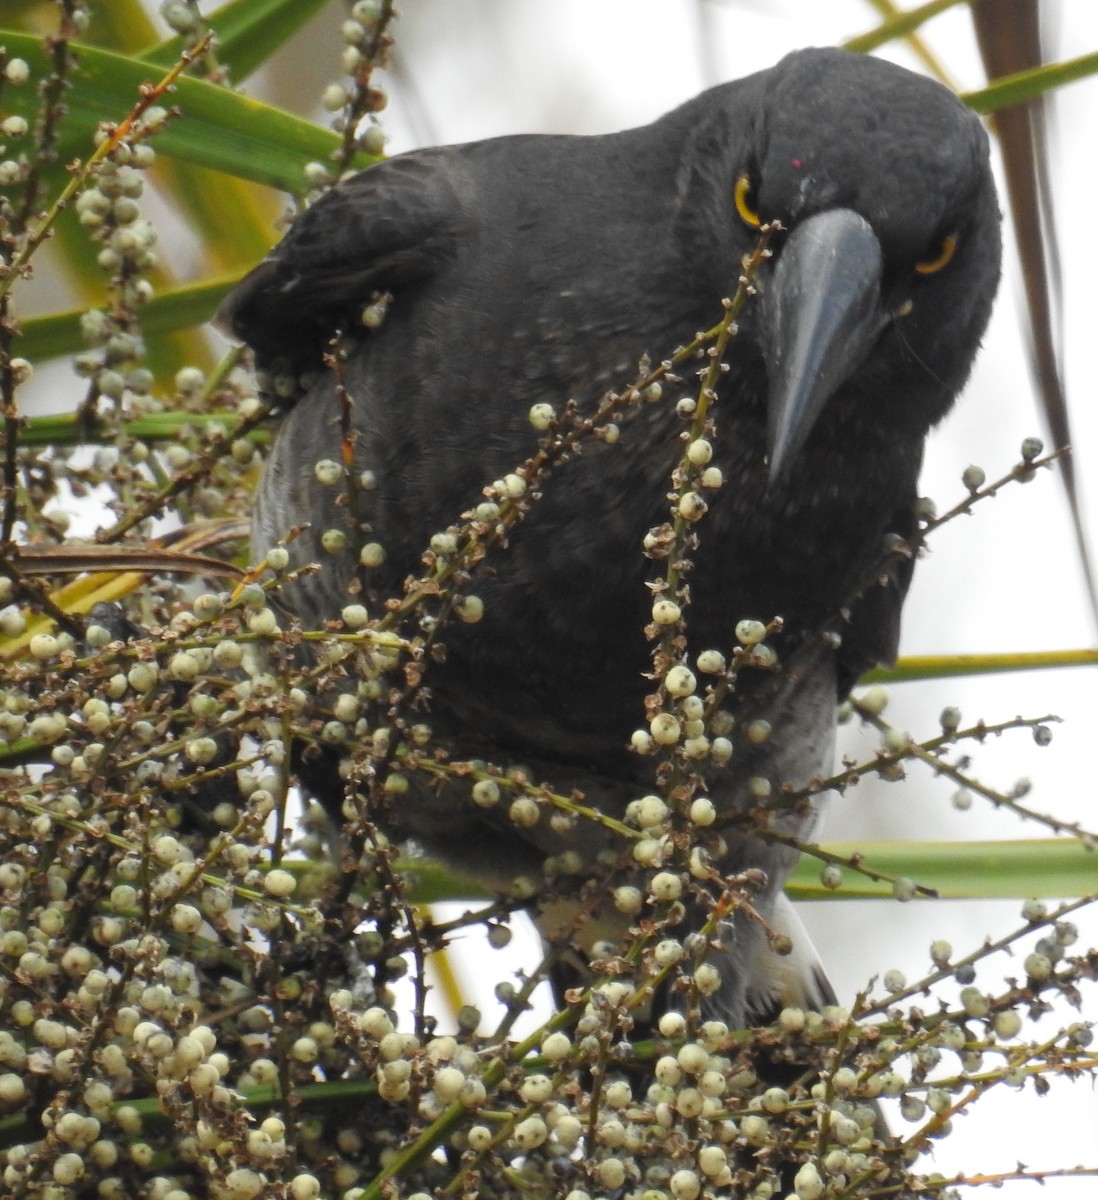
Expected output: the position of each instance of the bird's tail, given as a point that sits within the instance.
(794, 980)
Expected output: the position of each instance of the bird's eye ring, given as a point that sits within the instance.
(931, 266)
(744, 197)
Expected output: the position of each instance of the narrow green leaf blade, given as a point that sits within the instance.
(218, 128)
(1040, 867)
(58, 333)
(1026, 85)
(248, 33)
(953, 666)
(902, 24)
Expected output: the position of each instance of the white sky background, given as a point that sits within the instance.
(1006, 579)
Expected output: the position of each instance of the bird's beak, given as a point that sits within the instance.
(821, 312)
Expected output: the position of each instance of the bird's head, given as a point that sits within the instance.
(882, 280)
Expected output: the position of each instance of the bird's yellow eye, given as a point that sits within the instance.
(931, 266)
(744, 197)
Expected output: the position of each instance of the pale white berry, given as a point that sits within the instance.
(541, 416)
(665, 729)
(874, 700)
(665, 886)
(665, 612)
(685, 1185)
(711, 662)
(750, 633)
(280, 883)
(328, 472)
(807, 1183)
(702, 811)
(680, 681)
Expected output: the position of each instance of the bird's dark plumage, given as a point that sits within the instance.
(538, 268)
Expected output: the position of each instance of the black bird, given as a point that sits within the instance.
(539, 268)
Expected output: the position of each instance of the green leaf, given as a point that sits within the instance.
(889, 11)
(123, 25)
(232, 219)
(1039, 867)
(898, 26)
(248, 33)
(1026, 85)
(218, 128)
(952, 666)
(65, 429)
(58, 333)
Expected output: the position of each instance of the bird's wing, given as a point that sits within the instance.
(382, 230)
